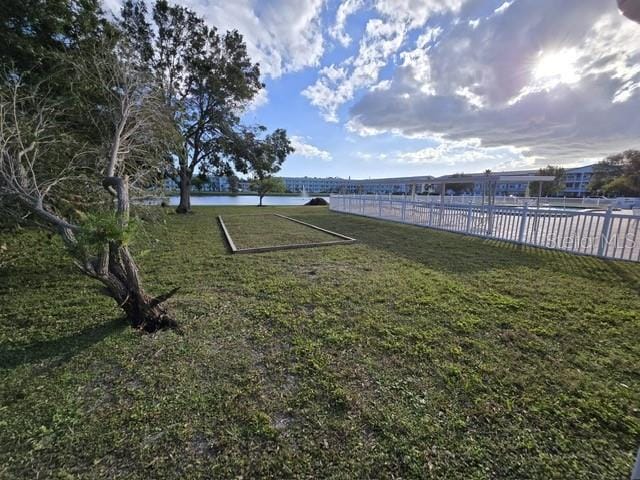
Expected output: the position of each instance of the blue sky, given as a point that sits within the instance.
(373, 88)
(351, 154)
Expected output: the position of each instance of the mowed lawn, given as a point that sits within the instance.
(410, 354)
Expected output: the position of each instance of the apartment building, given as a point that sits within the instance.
(576, 182)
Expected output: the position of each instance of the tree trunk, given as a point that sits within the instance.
(123, 284)
(261, 197)
(185, 192)
(114, 266)
(118, 272)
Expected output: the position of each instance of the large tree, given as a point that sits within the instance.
(617, 174)
(31, 31)
(82, 191)
(234, 183)
(264, 156)
(266, 185)
(549, 189)
(459, 187)
(207, 79)
(36, 36)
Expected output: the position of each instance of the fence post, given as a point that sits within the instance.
(430, 213)
(380, 207)
(490, 209)
(523, 225)
(404, 207)
(469, 218)
(606, 231)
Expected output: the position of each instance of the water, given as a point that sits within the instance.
(242, 200)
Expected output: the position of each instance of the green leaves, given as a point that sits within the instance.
(549, 188)
(100, 228)
(618, 175)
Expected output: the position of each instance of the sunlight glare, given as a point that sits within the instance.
(557, 67)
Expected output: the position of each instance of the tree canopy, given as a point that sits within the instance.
(617, 174)
(32, 30)
(263, 186)
(207, 80)
(264, 157)
(457, 187)
(549, 189)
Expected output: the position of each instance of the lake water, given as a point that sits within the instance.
(242, 200)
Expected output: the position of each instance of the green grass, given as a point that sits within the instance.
(410, 354)
(267, 230)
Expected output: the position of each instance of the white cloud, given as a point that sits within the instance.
(414, 13)
(467, 155)
(415, 66)
(261, 99)
(112, 6)
(467, 151)
(330, 91)
(382, 39)
(305, 149)
(367, 157)
(382, 85)
(502, 8)
(345, 10)
(559, 79)
(283, 35)
(473, 99)
(430, 35)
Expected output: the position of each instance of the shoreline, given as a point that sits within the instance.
(246, 194)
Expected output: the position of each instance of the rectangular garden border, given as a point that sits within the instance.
(344, 240)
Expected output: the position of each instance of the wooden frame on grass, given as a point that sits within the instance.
(342, 239)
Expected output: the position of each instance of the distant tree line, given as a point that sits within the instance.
(95, 111)
(617, 175)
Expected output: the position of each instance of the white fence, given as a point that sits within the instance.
(513, 201)
(604, 234)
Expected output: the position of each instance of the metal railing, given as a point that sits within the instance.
(599, 233)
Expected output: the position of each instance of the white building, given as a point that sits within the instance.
(576, 182)
(315, 184)
(342, 185)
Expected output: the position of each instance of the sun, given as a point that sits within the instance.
(553, 68)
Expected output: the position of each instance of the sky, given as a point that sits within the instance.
(383, 88)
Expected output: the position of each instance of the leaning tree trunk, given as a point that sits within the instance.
(118, 272)
(185, 193)
(122, 281)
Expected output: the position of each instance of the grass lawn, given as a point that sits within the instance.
(267, 230)
(410, 354)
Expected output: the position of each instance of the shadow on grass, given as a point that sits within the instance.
(628, 273)
(459, 254)
(60, 349)
(436, 249)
